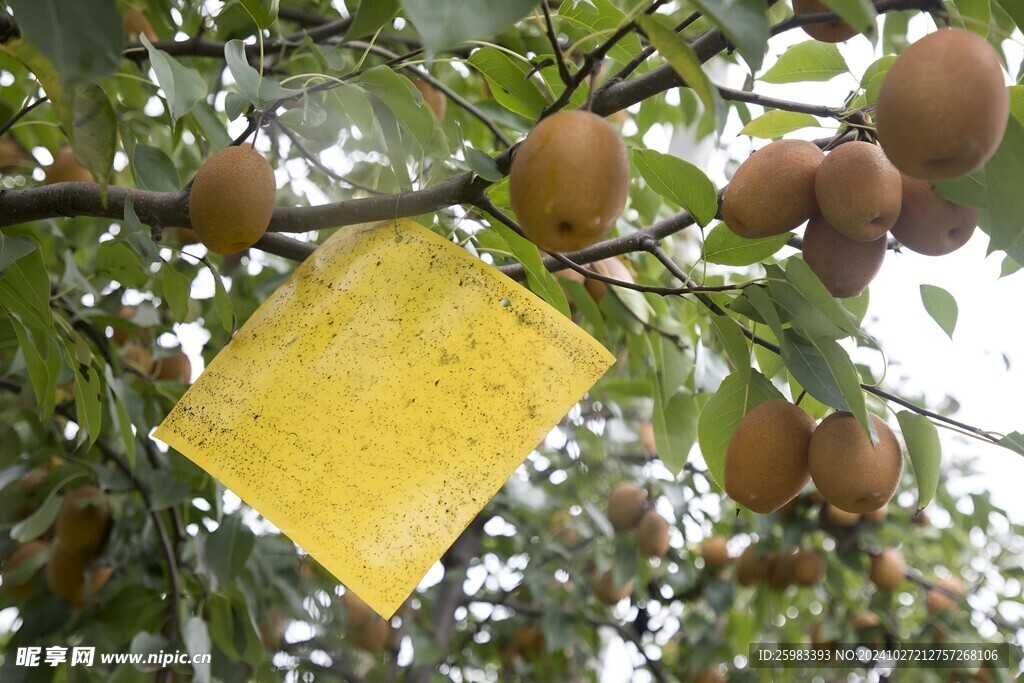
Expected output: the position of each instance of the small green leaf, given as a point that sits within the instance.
(680, 182)
(725, 247)
(776, 123)
(176, 288)
(675, 429)
(263, 12)
(969, 190)
(925, 451)
(803, 279)
(262, 91)
(941, 306)
(154, 170)
(228, 548)
(1016, 11)
(93, 131)
(1013, 441)
(540, 280)
(744, 23)
(1004, 176)
(483, 165)
(37, 524)
(370, 17)
(733, 341)
(13, 248)
(811, 370)
(222, 302)
(88, 402)
(736, 396)
(807, 61)
(509, 82)
(684, 61)
(183, 87)
(443, 24)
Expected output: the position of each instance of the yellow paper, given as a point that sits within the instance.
(380, 397)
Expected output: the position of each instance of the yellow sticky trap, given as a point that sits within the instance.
(380, 397)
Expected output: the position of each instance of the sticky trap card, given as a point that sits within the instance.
(380, 397)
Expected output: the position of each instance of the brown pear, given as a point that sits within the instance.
(626, 505)
(715, 552)
(938, 601)
(373, 636)
(780, 571)
(83, 521)
(65, 572)
(181, 236)
(829, 32)
(943, 105)
(66, 169)
(852, 473)
(174, 368)
(232, 199)
(23, 589)
(652, 535)
(766, 462)
(808, 567)
(859, 191)
(864, 620)
(569, 180)
(930, 224)
(772, 191)
(751, 566)
(612, 267)
(839, 519)
(359, 613)
(136, 24)
(888, 569)
(607, 592)
(11, 155)
(876, 517)
(432, 97)
(845, 266)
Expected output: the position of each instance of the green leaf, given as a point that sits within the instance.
(776, 123)
(678, 181)
(154, 170)
(483, 165)
(509, 83)
(392, 132)
(848, 379)
(196, 636)
(807, 61)
(1013, 441)
(228, 548)
(1015, 9)
(135, 236)
(262, 91)
(733, 341)
(969, 190)
(168, 490)
(263, 12)
(93, 131)
(879, 67)
(675, 428)
(684, 61)
(925, 451)
(941, 306)
(397, 94)
(725, 247)
(222, 302)
(860, 14)
(212, 127)
(744, 23)
(176, 288)
(978, 10)
(25, 290)
(811, 370)
(803, 279)
(183, 87)
(1004, 176)
(443, 23)
(541, 282)
(13, 248)
(600, 18)
(88, 402)
(371, 15)
(82, 39)
(736, 396)
(119, 262)
(39, 522)
(42, 372)
(122, 420)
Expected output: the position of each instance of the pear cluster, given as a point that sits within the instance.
(67, 554)
(777, 449)
(941, 113)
